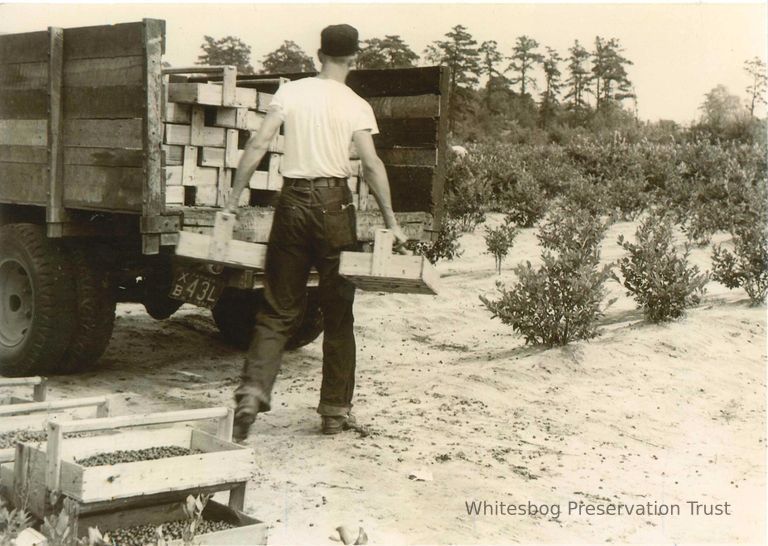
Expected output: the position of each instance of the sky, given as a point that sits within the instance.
(679, 51)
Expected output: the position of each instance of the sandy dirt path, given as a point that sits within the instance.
(642, 414)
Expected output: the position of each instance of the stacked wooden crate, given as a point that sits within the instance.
(206, 126)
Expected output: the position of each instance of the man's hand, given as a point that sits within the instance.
(400, 240)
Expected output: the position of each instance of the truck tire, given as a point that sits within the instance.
(95, 313)
(235, 317)
(37, 299)
(156, 301)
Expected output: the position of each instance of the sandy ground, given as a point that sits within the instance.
(661, 414)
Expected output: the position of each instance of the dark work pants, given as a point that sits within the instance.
(308, 227)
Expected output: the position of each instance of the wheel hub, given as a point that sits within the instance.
(16, 302)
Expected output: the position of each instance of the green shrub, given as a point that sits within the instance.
(445, 247)
(747, 265)
(560, 301)
(660, 279)
(465, 196)
(584, 193)
(525, 202)
(499, 240)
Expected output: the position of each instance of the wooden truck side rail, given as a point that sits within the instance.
(81, 127)
(82, 130)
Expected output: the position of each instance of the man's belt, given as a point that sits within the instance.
(322, 182)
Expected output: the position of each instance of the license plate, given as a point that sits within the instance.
(197, 289)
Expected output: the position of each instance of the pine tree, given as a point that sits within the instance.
(552, 77)
(609, 72)
(756, 90)
(460, 54)
(524, 58)
(579, 76)
(491, 57)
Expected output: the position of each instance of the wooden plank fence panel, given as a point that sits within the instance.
(24, 75)
(419, 106)
(105, 157)
(23, 48)
(23, 183)
(407, 132)
(103, 133)
(411, 188)
(23, 154)
(109, 72)
(109, 188)
(424, 157)
(103, 41)
(24, 132)
(110, 102)
(23, 104)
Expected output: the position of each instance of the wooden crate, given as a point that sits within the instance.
(38, 384)
(50, 470)
(247, 530)
(381, 271)
(31, 415)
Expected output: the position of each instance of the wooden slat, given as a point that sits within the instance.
(438, 180)
(103, 41)
(115, 71)
(103, 133)
(24, 132)
(51, 405)
(159, 476)
(145, 419)
(106, 157)
(24, 75)
(113, 102)
(180, 135)
(210, 94)
(21, 381)
(23, 154)
(153, 203)
(239, 253)
(174, 154)
(419, 106)
(23, 183)
(411, 188)
(238, 118)
(199, 176)
(23, 104)
(107, 188)
(413, 132)
(23, 48)
(421, 157)
(55, 214)
(175, 112)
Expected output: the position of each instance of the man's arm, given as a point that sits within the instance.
(257, 146)
(376, 177)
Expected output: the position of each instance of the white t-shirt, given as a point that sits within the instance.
(319, 117)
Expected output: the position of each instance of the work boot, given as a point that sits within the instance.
(334, 424)
(245, 415)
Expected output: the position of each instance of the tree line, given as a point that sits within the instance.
(531, 87)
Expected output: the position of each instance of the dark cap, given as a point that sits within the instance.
(339, 40)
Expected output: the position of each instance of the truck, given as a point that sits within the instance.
(109, 158)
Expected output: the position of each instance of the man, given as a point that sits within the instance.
(314, 221)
